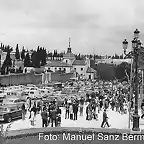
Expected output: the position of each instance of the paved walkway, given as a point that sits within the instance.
(116, 121)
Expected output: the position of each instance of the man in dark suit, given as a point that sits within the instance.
(44, 116)
(53, 117)
(105, 119)
(75, 110)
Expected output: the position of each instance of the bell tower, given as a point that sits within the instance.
(69, 48)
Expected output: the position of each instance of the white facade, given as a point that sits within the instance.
(114, 61)
(54, 69)
(80, 69)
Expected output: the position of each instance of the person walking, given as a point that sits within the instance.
(34, 109)
(81, 106)
(23, 111)
(58, 116)
(101, 104)
(105, 119)
(87, 112)
(44, 116)
(39, 106)
(32, 117)
(112, 103)
(142, 109)
(90, 112)
(106, 105)
(29, 106)
(65, 101)
(67, 111)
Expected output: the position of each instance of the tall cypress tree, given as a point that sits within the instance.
(34, 58)
(7, 63)
(27, 62)
(23, 54)
(17, 54)
(37, 60)
(44, 53)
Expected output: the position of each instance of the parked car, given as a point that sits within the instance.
(44, 92)
(17, 101)
(58, 99)
(2, 96)
(10, 112)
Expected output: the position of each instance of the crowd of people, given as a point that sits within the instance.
(100, 97)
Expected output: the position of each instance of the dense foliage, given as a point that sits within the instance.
(111, 71)
(7, 64)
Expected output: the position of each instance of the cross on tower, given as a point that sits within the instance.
(69, 42)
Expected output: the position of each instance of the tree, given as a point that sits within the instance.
(6, 48)
(122, 70)
(121, 56)
(116, 56)
(27, 62)
(7, 64)
(17, 54)
(106, 71)
(50, 55)
(23, 54)
(44, 54)
(34, 59)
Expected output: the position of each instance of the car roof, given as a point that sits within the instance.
(13, 98)
(8, 106)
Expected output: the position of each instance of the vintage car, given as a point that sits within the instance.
(10, 112)
(2, 96)
(14, 100)
(58, 99)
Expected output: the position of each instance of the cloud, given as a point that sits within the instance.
(91, 24)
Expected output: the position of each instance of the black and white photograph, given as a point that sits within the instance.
(71, 71)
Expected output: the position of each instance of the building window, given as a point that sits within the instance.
(81, 69)
(66, 61)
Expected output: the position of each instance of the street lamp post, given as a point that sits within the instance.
(136, 45)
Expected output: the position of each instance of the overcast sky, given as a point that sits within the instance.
(97, 26)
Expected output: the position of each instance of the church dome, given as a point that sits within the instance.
(69, 56)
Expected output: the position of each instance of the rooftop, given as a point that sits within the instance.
(90, 70)
(79, 62)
